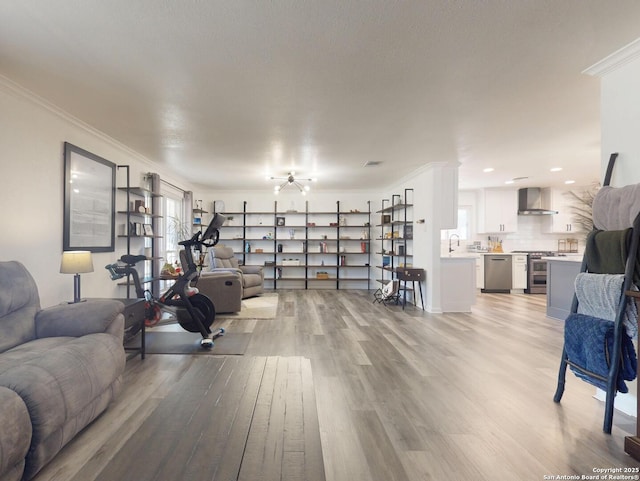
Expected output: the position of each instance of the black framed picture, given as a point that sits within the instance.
(89, 201)
(408, 231)
(280, 221)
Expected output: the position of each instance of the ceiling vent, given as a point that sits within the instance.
(372, 163)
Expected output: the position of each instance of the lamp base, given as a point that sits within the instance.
(76, 289)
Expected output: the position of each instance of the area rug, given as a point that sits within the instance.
(164, 342)
(260, 307)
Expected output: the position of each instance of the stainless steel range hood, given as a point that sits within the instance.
(530, 202)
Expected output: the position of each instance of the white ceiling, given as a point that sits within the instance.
(226, 91)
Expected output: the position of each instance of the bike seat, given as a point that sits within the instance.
(132, 260)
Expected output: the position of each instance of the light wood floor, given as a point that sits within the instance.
(341, 389)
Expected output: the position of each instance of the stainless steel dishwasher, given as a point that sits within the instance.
(497, 273)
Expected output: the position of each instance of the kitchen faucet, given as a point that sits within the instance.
(450, 237)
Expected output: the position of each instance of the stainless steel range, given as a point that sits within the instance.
(536, 271)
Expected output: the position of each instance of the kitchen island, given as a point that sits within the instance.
(458, 282)
(561, 275)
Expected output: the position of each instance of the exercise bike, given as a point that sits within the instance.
(195, 312)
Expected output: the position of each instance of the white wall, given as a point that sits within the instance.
(435, 201)
(32, 133)
(620, 124)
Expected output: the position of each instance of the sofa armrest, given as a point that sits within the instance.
(252, 270)
(80, 319)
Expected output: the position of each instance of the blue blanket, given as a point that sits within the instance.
(588, 342)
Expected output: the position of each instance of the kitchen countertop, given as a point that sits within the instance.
(464, 255)
(573, 258)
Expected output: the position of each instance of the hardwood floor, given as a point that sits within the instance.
(339, 388)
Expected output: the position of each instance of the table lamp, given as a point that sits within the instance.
(76, 262)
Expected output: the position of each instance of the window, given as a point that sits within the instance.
(175, 228)
(464, 225)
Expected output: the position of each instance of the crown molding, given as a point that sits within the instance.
(20, 92)
(616, 60)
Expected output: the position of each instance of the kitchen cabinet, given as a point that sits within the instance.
(562, 222)
(457, 283)
(497, 211)
(519, 276)
(480, 272)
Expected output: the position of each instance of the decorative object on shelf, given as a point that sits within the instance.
(292, 233)
(89, 201)
(408, 231)
(342, 220)
(76, 262)
(322, 275)
(280, 222)
(291, 180)
(148, 229)
(218, 206)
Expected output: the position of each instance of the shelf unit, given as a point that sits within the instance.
(304, 249)
(396, 237)
(199, 217)
(139, 207)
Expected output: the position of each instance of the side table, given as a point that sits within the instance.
(133, 323)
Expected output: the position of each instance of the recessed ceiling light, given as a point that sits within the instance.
(488, 169)
(520, 178)
(555, 169)
(569, 181)
(509, 181)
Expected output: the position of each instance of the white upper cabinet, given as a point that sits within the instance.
(497, 211)
(562, 222)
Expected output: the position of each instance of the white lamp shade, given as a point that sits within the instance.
(76, 262)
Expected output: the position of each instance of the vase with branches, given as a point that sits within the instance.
(582, 206)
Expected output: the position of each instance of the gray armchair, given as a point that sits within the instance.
(221, 259)
(224, 288)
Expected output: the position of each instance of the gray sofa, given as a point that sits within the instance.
(60, 368)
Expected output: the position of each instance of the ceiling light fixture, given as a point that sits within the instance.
(488, 169)
(555, 169)
(291, 180)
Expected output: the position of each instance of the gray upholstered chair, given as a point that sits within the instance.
(224, 288)
(221, 259)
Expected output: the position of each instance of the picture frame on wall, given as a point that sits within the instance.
(89, 201)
